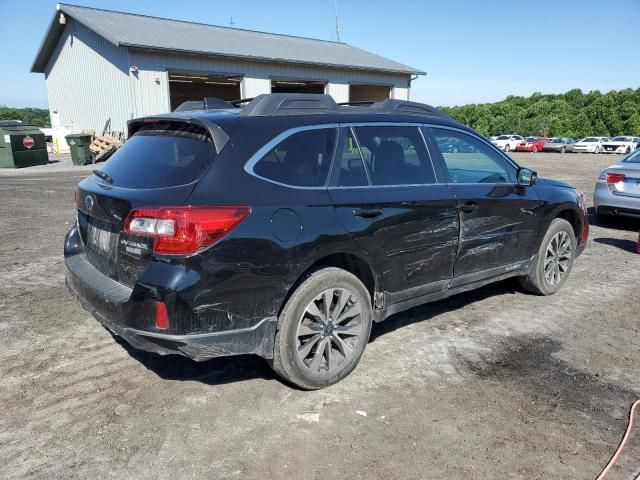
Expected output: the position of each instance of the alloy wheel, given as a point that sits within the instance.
(329, 330)
(557, 258)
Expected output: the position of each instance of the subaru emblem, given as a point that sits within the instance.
(88, 202)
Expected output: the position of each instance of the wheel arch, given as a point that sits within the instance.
(350, 262)
(572, 216)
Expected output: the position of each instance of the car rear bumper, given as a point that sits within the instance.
(606, 203)
(130, 314)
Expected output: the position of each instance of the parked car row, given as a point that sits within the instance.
(621, 144)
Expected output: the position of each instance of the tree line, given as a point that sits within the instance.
(29, 116)
(573, 114)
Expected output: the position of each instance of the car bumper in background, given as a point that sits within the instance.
(622, 149)
(606, 203)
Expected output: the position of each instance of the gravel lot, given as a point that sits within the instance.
(494, 383)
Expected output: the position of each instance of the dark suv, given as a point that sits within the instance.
(286, 227)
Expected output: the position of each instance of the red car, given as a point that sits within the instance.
(531, 144)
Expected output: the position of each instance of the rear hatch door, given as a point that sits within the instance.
(158, 166)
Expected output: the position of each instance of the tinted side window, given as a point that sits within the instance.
(302, 159)
(469, 160)
(351, 171)
(395, 155)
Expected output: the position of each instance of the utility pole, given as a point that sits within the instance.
(335, 4)
(231, 23)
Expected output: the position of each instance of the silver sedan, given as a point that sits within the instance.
(618, 188)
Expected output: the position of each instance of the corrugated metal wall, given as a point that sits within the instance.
(257, 77)
(88, 81)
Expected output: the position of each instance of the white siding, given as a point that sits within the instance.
(401, 93)
(339, 91)
(252, 87)
(256, 76)
(88, 81)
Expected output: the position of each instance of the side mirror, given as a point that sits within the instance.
(526, 177)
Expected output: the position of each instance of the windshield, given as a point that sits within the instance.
(161, 155)
(590, 139)
(620, 139)
(503, 137)
(633, 158)
(557, 140)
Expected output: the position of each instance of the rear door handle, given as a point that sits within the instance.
(367, 213)
(469, 207)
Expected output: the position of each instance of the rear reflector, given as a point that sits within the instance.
(162, 319)
(615, 177)
(184, 230)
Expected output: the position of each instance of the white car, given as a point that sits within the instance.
(621, 145)
(507, 142)
(590, 145)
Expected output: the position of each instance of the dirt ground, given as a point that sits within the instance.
(494, 383)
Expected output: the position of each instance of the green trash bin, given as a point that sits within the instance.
(79, 148)
(22, 146)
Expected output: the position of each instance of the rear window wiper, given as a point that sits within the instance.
(106, 177)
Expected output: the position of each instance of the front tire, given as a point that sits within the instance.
(597, 150)
(555, 260)
(323, 329)
(507, 148)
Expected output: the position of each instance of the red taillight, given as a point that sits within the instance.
(615, 177)
(162, 319)
(184, 230)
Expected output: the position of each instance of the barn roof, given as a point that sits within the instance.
(140, 31)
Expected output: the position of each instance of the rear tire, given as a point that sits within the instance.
(562, 150)
(323, 329)
(555, 260)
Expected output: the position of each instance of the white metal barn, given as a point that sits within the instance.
(103, 68)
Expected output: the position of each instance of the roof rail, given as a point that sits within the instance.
(207, 103)
(308, 103)
(290, 104)
(406, 107)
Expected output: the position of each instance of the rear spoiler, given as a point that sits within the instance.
(218, 135)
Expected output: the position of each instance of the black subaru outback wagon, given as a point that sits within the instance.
(286, 227)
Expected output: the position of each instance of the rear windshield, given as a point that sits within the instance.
(161, 155)
(633, 158)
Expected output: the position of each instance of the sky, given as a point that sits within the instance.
(473, 51)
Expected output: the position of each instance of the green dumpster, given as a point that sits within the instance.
(79, 148)
(22, 146)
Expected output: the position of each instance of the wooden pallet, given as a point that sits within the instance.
(104, 146)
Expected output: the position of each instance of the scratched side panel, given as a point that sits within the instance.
(501, 231)
(413, 241)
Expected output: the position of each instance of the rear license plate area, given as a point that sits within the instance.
(101, 239)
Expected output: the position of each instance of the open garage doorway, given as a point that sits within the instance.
(297, 86)
(196, 86)
(368, 93)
